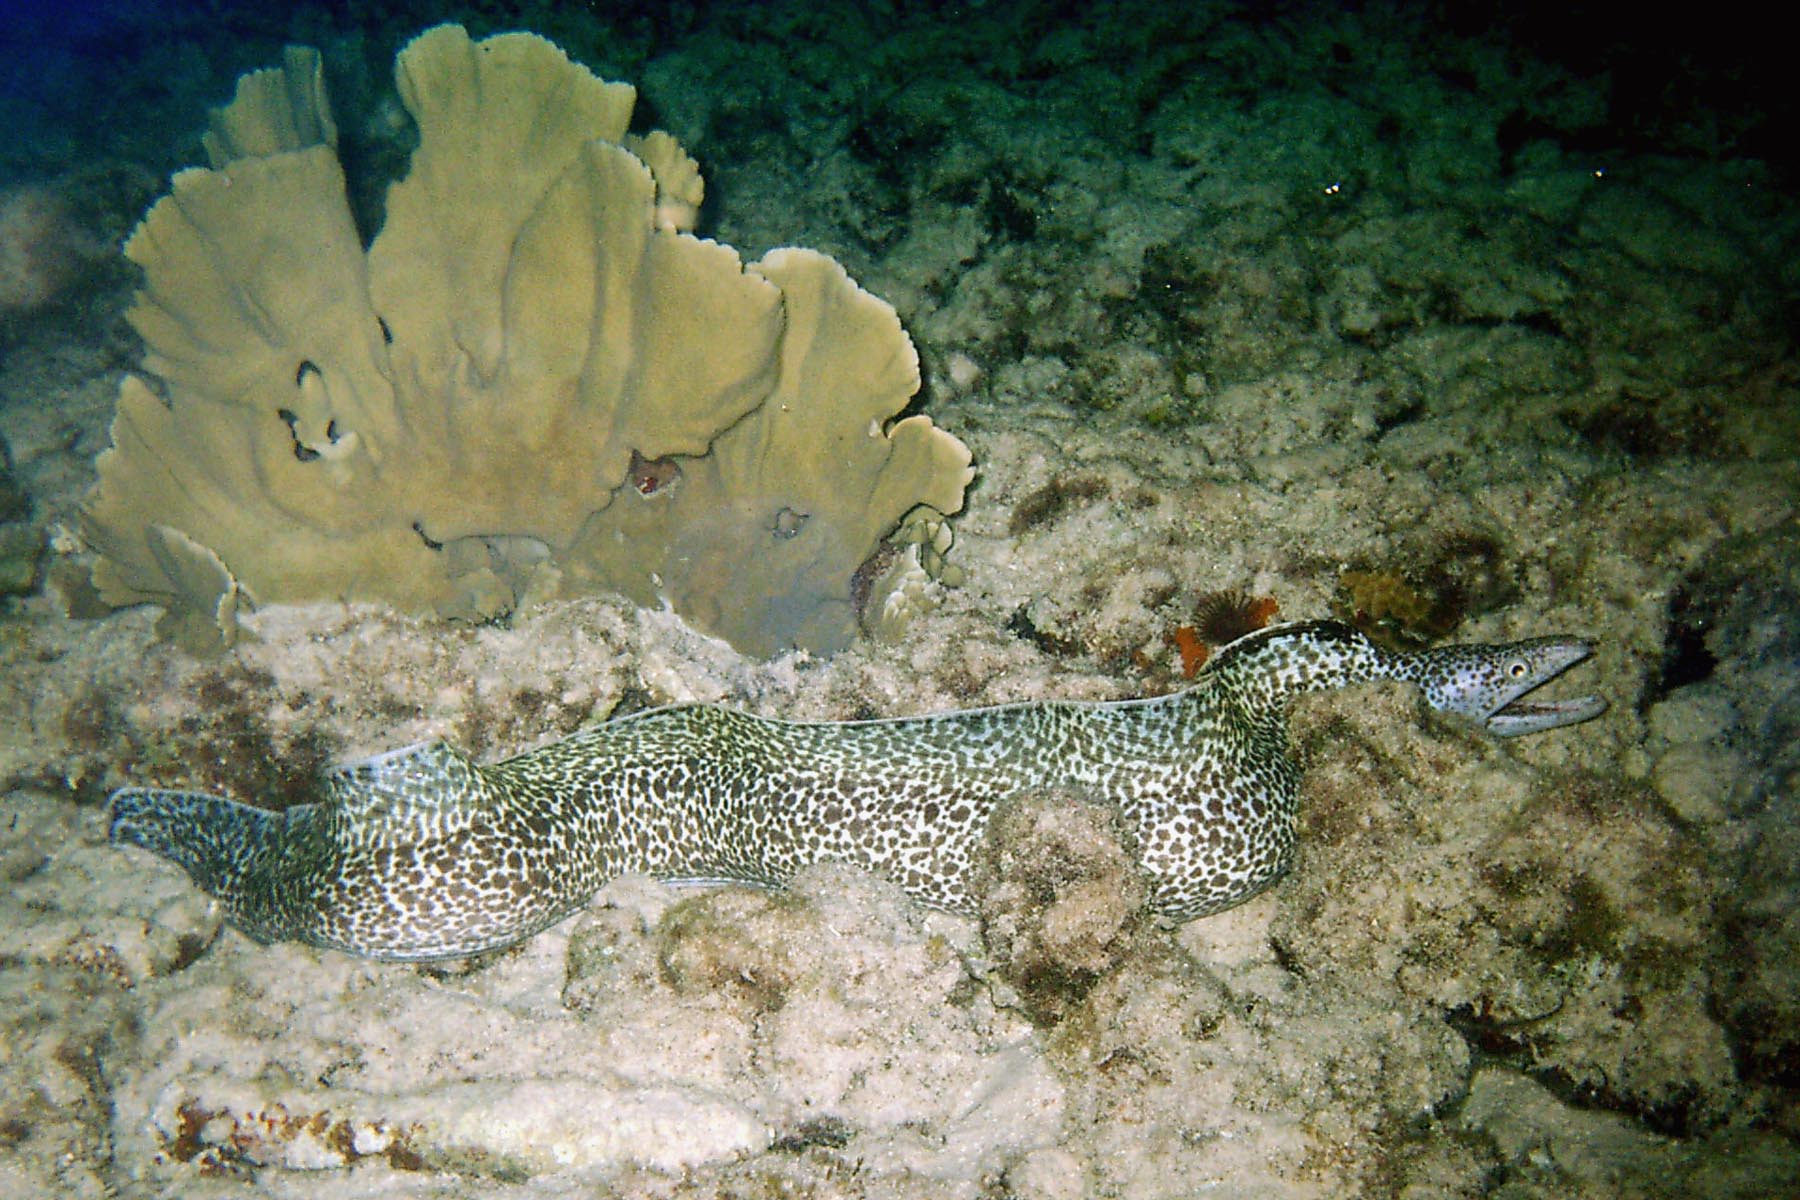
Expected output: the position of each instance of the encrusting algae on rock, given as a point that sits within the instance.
(535, 381)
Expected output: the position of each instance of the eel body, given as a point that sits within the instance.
(423, 854)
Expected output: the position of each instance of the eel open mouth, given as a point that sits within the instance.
(1522, 669)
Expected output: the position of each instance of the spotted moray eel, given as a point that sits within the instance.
(422, 854)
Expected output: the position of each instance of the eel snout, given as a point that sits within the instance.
(1518, 670)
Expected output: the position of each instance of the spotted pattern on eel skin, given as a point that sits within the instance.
(423, 854)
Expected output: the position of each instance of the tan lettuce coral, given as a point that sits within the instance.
(533, 380)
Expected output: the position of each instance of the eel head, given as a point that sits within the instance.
(1491, 685)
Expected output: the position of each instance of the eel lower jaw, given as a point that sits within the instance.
(1535, 716)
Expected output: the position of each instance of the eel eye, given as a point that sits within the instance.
(1516, 668)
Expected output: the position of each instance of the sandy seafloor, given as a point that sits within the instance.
(1286, 301)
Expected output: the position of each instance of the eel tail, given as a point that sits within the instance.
(226, 847)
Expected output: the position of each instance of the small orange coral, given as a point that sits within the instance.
(1220, 618)
(1225, 616)
(1192, 647)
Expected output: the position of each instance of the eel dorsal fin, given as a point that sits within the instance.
(426, 787)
